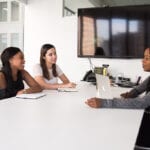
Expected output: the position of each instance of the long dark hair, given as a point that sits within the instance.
(45, 71)
(6, 55)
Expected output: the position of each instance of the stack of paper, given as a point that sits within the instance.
(31, 96)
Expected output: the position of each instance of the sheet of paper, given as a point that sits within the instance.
(67, 89)
(31, 96)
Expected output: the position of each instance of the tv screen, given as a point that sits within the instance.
(113, 32)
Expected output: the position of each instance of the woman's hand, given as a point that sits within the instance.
(70, 85)
(20, 92)
(93, 102)
(34, 87)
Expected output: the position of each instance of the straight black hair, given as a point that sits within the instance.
(6, 55)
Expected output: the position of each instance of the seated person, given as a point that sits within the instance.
(99, 51)
(12, 74)
(129, 99)
(47, 72)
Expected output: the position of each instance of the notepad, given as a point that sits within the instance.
(67, 89)
(31, 96)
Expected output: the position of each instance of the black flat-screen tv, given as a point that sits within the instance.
(113, 32)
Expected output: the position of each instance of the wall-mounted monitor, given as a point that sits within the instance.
(113, 32)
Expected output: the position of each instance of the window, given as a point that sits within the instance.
(3, 41)
(15, 39)
(88, 45)
(68, 12)
(11, 24)
(14, 11)
(3, 11)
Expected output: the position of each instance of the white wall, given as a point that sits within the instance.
(44, 24)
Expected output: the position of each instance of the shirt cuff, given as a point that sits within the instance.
(106, 103)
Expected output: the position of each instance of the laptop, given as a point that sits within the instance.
(103, 87)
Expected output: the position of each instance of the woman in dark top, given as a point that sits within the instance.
(12, 74)
(129, 99)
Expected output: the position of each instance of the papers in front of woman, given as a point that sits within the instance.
(67, 90)
(31, 96)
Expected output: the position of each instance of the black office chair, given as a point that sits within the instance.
(143, 138)
(89, 77)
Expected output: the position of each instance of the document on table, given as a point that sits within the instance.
(31, 96)
(67, 89)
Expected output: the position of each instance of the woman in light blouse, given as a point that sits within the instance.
(47, 72)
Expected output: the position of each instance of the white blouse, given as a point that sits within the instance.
(37, 71)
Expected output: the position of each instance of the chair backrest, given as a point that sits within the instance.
(89, 76)
(143, 138)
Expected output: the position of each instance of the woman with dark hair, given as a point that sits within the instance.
(47, 72)
(129, 99)
(12, 74)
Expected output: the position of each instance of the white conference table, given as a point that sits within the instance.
(62, 121)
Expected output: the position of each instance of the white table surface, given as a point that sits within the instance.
(61, 121)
